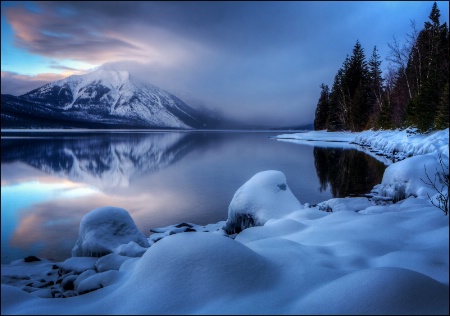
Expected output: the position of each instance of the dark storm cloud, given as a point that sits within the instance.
(262, 61)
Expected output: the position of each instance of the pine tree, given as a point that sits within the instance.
(323, 105)
(430, 91)
(375, 86)
(442, 118)
(337, 112)
(357, 82)
(422, 74)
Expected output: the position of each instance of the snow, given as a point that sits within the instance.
(123, 96)
(265, 196)
(398, 144)
(344, 256)
(345, 204)
(106, 230)
(406, 178)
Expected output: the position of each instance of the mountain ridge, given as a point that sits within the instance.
(103, 98)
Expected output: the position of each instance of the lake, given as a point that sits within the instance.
(50, 180)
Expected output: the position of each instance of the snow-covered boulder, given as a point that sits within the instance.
(132, 249)
(98, 281)
(265, 196)
(104, 230)
(112, 261)
(408, 178)
(77, 265)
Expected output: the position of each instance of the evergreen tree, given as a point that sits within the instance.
(416, 90)
(338, 111)
(357, 83)
(375, 86)
(421, 79)
(442, 117)
(433, 75)
(323, 105)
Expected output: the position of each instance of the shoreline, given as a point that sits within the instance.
(63, 276)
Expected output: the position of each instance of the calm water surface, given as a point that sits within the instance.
(49, 181)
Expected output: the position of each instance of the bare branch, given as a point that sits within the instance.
(442, 177)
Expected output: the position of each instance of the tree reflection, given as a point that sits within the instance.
(348, 172)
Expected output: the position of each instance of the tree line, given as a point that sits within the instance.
(413, 93)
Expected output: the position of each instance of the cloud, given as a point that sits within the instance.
(258, 61)
(16, 84)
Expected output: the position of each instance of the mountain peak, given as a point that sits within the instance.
(112, 77)
(109, 95)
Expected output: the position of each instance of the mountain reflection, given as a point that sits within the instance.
(347, 172)
(109, 161)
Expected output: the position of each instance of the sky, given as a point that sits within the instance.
(258, 62)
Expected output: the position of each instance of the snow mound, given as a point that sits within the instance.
(265, 196)
(407, 178)
(183, 272)
(379, 291)
(104, 230)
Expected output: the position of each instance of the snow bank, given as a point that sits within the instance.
(265, 196)
(405, 143)
(378, 290)
(106, 230)
(408, 178)
(397, 144)
(321, 136)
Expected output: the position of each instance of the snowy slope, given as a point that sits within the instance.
(114, 95)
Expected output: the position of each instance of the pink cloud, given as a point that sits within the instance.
(17, 84)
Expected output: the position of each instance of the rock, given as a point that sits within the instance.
(31, 259)
(104, 229)
(77, 265)
(265, 196)
(67, 283)
(110, 262)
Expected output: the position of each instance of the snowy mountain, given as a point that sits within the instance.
(103, 98)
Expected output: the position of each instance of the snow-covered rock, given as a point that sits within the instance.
(265, 196)
(97, 281)
(112, 261)
(77, 265)
(105, 230)
(131, 249)
(86, 274)
(408, 178)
